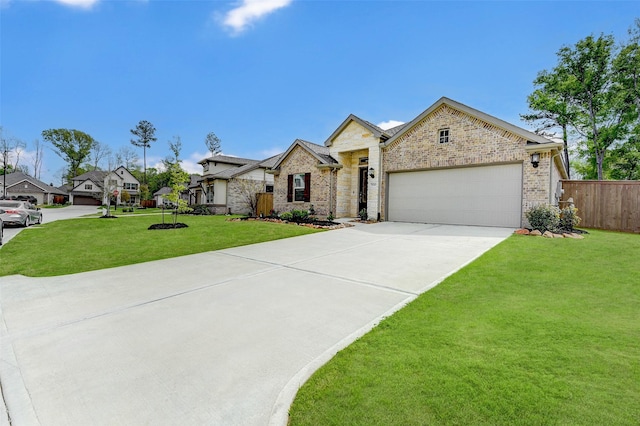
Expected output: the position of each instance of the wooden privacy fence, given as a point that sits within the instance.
(611, 205)
(265, 204)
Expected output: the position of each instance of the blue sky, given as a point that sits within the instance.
(261, 73)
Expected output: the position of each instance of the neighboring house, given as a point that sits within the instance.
(452, 165)
(160, 196)
(227, 181)
(97, 187)
(18, 183)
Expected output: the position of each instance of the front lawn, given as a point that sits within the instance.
(536, 332)
(78, 245)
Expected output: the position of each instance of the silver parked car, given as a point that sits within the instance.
(21, 213)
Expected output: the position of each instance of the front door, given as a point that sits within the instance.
(362, 189)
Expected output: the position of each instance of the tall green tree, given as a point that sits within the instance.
(625, 163)
(213, 143)
(550, 108)
(586, 70)
(71, 145)
(590, 92)
(145, 133)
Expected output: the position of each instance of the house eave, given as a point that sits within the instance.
(329, 166)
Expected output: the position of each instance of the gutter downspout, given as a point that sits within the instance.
(551, 177)
(380, 153)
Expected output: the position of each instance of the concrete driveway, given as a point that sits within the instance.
(218, 338)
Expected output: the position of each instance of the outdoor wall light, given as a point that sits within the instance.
(535, 159)
(371, 173)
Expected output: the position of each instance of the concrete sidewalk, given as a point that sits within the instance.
(219, 338)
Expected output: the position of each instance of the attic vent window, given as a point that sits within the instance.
(443, 135)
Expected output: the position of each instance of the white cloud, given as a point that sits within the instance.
(389, 124)
(83, 4)
(249, 11)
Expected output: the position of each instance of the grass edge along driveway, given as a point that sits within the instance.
(87, 244)
(536, 331)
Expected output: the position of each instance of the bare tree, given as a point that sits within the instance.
(99, 151)
(11, 149)
(176, 146)
(36, 159)
(109, 185)
(61, 175)
(127, 157)
(248, 190)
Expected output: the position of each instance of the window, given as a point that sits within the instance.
(363, 161)
(88, 186)
(444, 135)
(131, 186)
(268, 188)
(210, 194)
(299, 187)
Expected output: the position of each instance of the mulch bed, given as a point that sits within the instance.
(168, 226)
(318, 224)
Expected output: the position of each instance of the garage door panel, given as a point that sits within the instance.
(486, 196)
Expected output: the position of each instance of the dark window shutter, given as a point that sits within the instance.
(307, 186)
(289, 188)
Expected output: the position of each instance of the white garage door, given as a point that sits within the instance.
(485, 196)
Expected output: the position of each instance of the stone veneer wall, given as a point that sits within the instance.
(471, 142)
(300, 160)
(236, 200)
(348, 147)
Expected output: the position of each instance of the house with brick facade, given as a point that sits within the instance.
(452, 164)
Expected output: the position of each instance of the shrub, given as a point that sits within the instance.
(299, 215)
(363, 214)
(544, 217)
(569, 218)
(273, 214)
(330, 217)
(200, 210)
(288, 216)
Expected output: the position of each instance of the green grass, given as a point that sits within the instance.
(78, 245)
(535, 332)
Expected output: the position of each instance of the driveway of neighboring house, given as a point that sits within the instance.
(218, 338)
(50, 215)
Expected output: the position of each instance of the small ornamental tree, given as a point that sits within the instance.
(125, 197)
(177, 183)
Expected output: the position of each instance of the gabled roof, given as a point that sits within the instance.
(250, 166)
(234, 171)
(377, 131)
(18, 177)
(126, 170)
(194, 180)
(162, 191)
(321, 153)
(94, 175)
(529, 136)
(226, 159)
